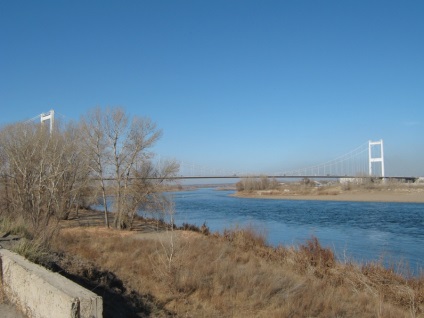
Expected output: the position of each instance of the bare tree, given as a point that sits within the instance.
(146, 191)
(96, 147)
(119, 147)
(44, 176)
(42, 173)
(72, 171)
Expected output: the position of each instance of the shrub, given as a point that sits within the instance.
(33, 250)
(317, 255)
(253, 183)
(245, 237)
(204, 229)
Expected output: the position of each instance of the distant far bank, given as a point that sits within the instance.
(392, 192)
(357, 196)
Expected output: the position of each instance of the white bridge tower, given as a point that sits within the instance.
(48, 116)
(376, 156)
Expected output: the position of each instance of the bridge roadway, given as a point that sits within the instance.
(235, 176)
(413, 179)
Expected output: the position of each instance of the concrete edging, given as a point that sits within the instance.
(42, 293)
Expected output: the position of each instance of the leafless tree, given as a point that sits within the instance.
(42, 173)
(119, 146)
(96, 149)
(71, 169)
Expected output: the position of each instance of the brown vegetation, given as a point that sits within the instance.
(253, 183)
(45, 175)
(237, 275)
(360, 189)
(42, 176)
(117, 146)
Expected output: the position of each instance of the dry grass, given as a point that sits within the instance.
(16, 226)
(334, 189)
(237, 275)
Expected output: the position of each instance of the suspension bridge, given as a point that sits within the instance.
(364, 161)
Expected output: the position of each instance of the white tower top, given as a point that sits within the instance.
(372, 159)
(48, 116)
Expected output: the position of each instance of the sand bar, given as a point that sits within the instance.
(357, 196)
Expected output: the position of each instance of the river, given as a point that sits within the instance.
(358, 231)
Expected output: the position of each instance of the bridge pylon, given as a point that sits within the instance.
(378, 158)
(48, 116)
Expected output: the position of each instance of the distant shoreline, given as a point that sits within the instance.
(356, 196)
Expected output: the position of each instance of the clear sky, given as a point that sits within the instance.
(241, 85)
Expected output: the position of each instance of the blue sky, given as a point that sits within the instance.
(241, 85)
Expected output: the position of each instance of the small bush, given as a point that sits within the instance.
(246, 237)
(317, 255)
(15, 227)
(252, 184)
(33, 250)
(204, 229)
(189, 227)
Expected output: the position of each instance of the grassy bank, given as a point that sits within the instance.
(156, 271)
(188, 274)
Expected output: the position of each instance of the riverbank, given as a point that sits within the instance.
(406, 194)
(416, 197)
(156, 271)
(189, 274)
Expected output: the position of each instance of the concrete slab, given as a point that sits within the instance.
(8, 311)
(42, 293)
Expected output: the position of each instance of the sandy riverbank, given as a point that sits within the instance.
(410, 196)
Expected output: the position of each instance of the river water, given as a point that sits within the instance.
(358, 231)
